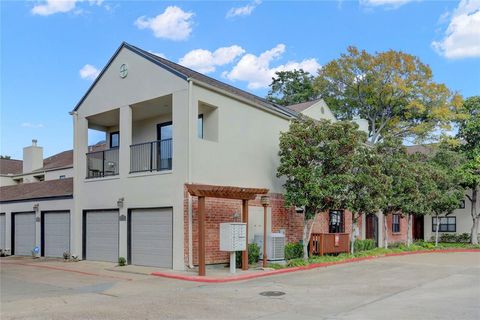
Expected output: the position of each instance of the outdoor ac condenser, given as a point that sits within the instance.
(275, 246)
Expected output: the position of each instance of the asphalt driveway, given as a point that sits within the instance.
(425, 286)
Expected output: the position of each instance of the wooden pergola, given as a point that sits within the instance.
(236, 193)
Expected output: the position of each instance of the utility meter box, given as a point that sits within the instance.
(233, 236)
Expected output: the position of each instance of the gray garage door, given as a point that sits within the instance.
(151, 237)
(24, 238)
(56, 233)
(102, 236)
(2, 231)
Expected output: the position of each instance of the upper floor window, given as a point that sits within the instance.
(62, 177)
(447, 224)
(336, 221)
(462, 204)
(114, 139)
(396, 223)
(200, 126)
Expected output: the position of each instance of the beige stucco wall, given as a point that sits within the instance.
(55, 174)
(6, 181)
(27, 206)
(463, 219)
(246, 151)
(319, 110)
(145, 81)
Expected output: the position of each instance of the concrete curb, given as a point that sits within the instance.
(242, 277)
(65, 270)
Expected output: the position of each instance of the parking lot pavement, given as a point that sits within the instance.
(426, 286)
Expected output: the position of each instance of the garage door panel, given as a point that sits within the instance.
(56, 233)
(24, 237)
(2, 231)
(102, 236)
(151, 237)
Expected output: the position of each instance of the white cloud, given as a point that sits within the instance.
(206, 61)
(49, 7)
(243, 11)
(32, 125)
(89, 72)
(462, 37)
(174, 24)
(256, 70)
(161, 55)
(386, 3)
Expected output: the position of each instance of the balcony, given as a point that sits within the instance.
(102, 163)
(151, 156)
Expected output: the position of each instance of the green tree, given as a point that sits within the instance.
(317, 160)
(393, 90)
(291, 87)
(469, 135)
(5, 157)
(445, 171)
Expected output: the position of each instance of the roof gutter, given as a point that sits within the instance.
(284, 115)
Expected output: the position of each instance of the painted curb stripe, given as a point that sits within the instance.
(295, 269)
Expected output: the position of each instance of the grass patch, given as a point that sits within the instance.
(417, 246)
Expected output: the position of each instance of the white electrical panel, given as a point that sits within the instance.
(233, 236)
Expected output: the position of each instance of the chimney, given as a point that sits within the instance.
(32, 157)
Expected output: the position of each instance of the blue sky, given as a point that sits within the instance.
(51, 51)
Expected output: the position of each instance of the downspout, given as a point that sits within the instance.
(189, 175)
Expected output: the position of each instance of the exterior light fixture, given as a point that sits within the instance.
(120, 202)
(35, 207)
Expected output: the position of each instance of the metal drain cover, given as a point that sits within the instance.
(272, 293)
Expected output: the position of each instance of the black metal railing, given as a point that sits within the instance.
(102, 163)
(151, 156)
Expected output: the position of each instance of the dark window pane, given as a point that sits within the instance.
(114, 139)
(200, 126)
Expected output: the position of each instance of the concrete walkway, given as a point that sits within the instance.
(425, 286)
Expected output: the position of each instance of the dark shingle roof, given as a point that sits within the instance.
(186, 73)
(11, 166)
(37, 190)
(59, 160)
(299, 107)
(422, 148)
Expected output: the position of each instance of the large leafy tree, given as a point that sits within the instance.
(411, 186)
(444, 168)
(317, 159)
(469, 135)
(291, 87)
(393, 90)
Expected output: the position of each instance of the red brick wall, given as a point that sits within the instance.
(222, 210)
(398, 236)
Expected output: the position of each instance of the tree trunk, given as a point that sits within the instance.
(353, 234)
(385, 232)
(409, 230)
(307, 233)
(473, 211)
(436, 230)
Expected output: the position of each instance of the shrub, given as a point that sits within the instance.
(447, 237)
(122, 261)
(253, 255)
(299, 262)
(464, 237)
(364, 245)
(293, 251)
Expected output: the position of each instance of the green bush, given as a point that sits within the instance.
(464, 237)
(364, 245)
(276, 266)
(253, 255)
(293, 251)
(447, 237)
(299, 262)
(122, 261)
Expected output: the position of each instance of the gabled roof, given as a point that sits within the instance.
(62, 188)
(299, 107)
(10, 166)
(186, 73)
(60, 160)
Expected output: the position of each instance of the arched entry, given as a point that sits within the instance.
(371, 227)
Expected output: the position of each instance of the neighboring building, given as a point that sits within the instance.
(36, 198)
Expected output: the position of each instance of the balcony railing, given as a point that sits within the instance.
(102, 163)
(151, 156)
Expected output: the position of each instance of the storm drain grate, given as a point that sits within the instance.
(272, 293)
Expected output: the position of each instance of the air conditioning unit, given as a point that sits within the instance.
(275, 246)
